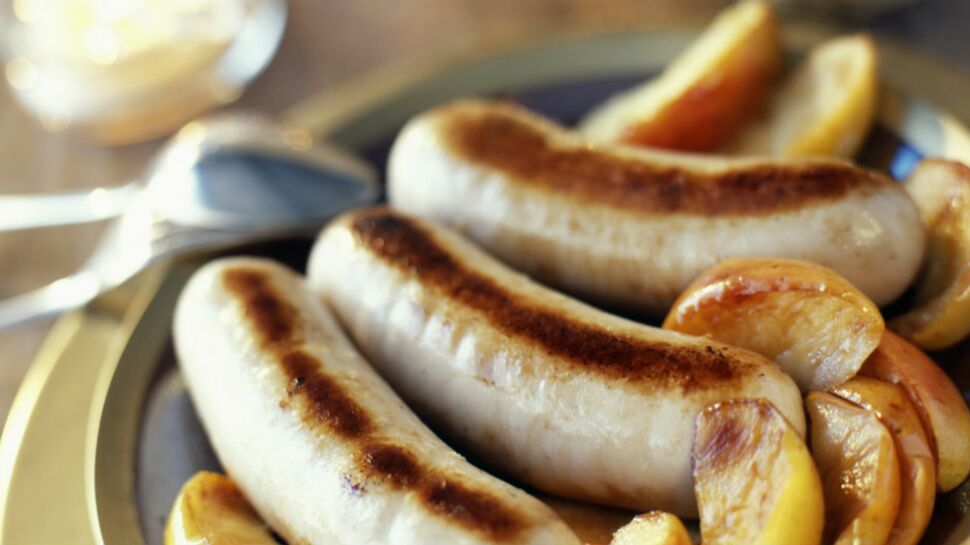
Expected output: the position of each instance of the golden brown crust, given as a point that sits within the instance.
(408, 246)
(503, 137)
(323, 402)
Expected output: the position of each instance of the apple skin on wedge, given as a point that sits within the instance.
(918, 468)
(754, 478)
(856, 457)
(825, 108)
(816, 325)
(944, 413)
(211, 510)
(706, 94)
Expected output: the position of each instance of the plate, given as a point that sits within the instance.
(102, 434)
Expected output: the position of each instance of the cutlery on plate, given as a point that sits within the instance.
(219, 182)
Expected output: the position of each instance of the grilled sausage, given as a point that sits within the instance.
(567, 398)
(632, 227)
(323, 448)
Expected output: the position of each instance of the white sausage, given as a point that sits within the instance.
(631, 227)
(320, 445)
(564, 397)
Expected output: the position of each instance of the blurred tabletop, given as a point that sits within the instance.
(330, 41)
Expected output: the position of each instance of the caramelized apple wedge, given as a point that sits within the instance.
(825, 108)
(918, 469)
(706, 94)
(941, 190)
(754, 478)
(944, 413)
(210, 509)
(654, 528)
(857, 459)
(816, 325)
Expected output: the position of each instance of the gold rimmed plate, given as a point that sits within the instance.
(102, 434)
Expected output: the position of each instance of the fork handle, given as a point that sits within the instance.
(62, 295)
(48, 210)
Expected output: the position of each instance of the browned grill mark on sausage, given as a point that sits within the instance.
(327, 402)
(390, 462)
(459, 502)
(324, 402)
(496, 138)
(275, 321)
(452, 499)
(406, 245)
(272, 319)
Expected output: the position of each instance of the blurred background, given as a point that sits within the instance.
(92, 87)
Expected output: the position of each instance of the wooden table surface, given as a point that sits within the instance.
(326, 42)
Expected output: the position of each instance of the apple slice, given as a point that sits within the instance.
(754, 478)
(706, 94)
(653, 528)
(944, 413)
(210, 509)
(816, 325)
(918, 469)
(941, 190)
(825, 108)
(855, 454)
